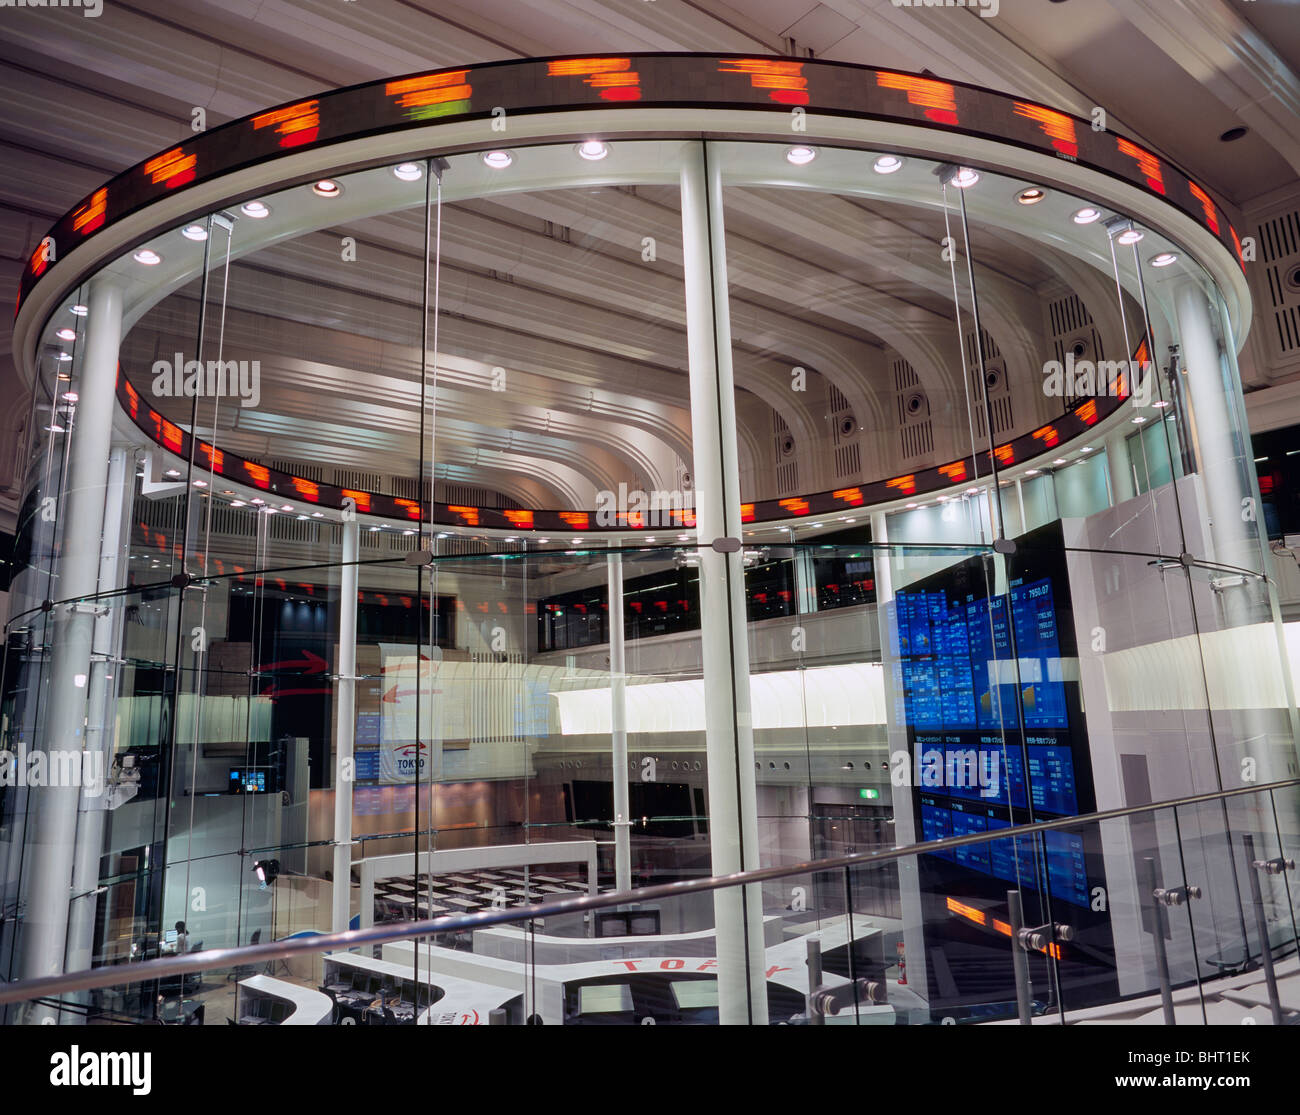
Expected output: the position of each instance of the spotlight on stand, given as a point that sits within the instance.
(267, 871)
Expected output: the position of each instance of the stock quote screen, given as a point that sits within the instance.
(985, 663)
(986, 697)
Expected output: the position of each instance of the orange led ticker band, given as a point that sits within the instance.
(905, 484)
(784, 80)
(91, 215)
(955, 472)
(1147, 163)
(296, 124)
(938, 98)
(172, 168)
(1211, 215)
(613, 77)
(1058, 127)
(432, 94)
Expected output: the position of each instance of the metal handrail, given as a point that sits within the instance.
(163, 967)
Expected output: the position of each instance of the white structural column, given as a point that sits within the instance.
(905, 827)
(1118, 468)
(345, 726)
(53, 837)
(729, 736)
(618, 724)
(1224, 475)
(104, 670)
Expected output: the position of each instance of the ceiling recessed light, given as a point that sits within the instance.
(963, 178)
(1164, 259)
(286, 507)
(318, 514)
(147, 256)
(1138, 420)
(255, 209)
(498, 160)
(887, 164)
(194, 232)
(909, 506)
(800, 155)
(408, 172)
(1086, 215)
(593, 149)
(66, 334)
(200, 483)
(55, 428)
(62, 357)
(236, 503)
(1086, 449)
(80, 310)
(71, 396)
(1031, 472)
(1233, 134)
(172, 472)
(1059, 461)
(1031, 196)
(1160, 404)
(1130, 236)
(326, 187)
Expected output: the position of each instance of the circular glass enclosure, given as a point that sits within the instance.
(659, 466)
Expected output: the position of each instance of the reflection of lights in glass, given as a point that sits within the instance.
(1031, 472)
(326, 187)
(71, 396)
(498, 160)
(236, 503)
(147, 256)
(1164, 259)
(409, 172)
(1138, 420)
(80, 310)
(255, 209)
(1160, 404)
(1086, 215)
(63, 357)
(172, 472)
(1032, 196)
(1086, 449)
(800, 155)
(200, 483)
(887, 164)
(593, 149)
(54, 428)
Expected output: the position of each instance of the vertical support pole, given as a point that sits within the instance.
(1261, 923)
(805, 582)
(729, 736)
(1119, 469)
(618, 723)
(1019, 961)
(93, 814)
(815, 1017)
(53, 836)
(345, 721)
(1149, 884)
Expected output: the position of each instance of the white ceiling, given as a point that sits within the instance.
(86, 98)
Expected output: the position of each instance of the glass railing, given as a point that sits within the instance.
(1193, 921)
